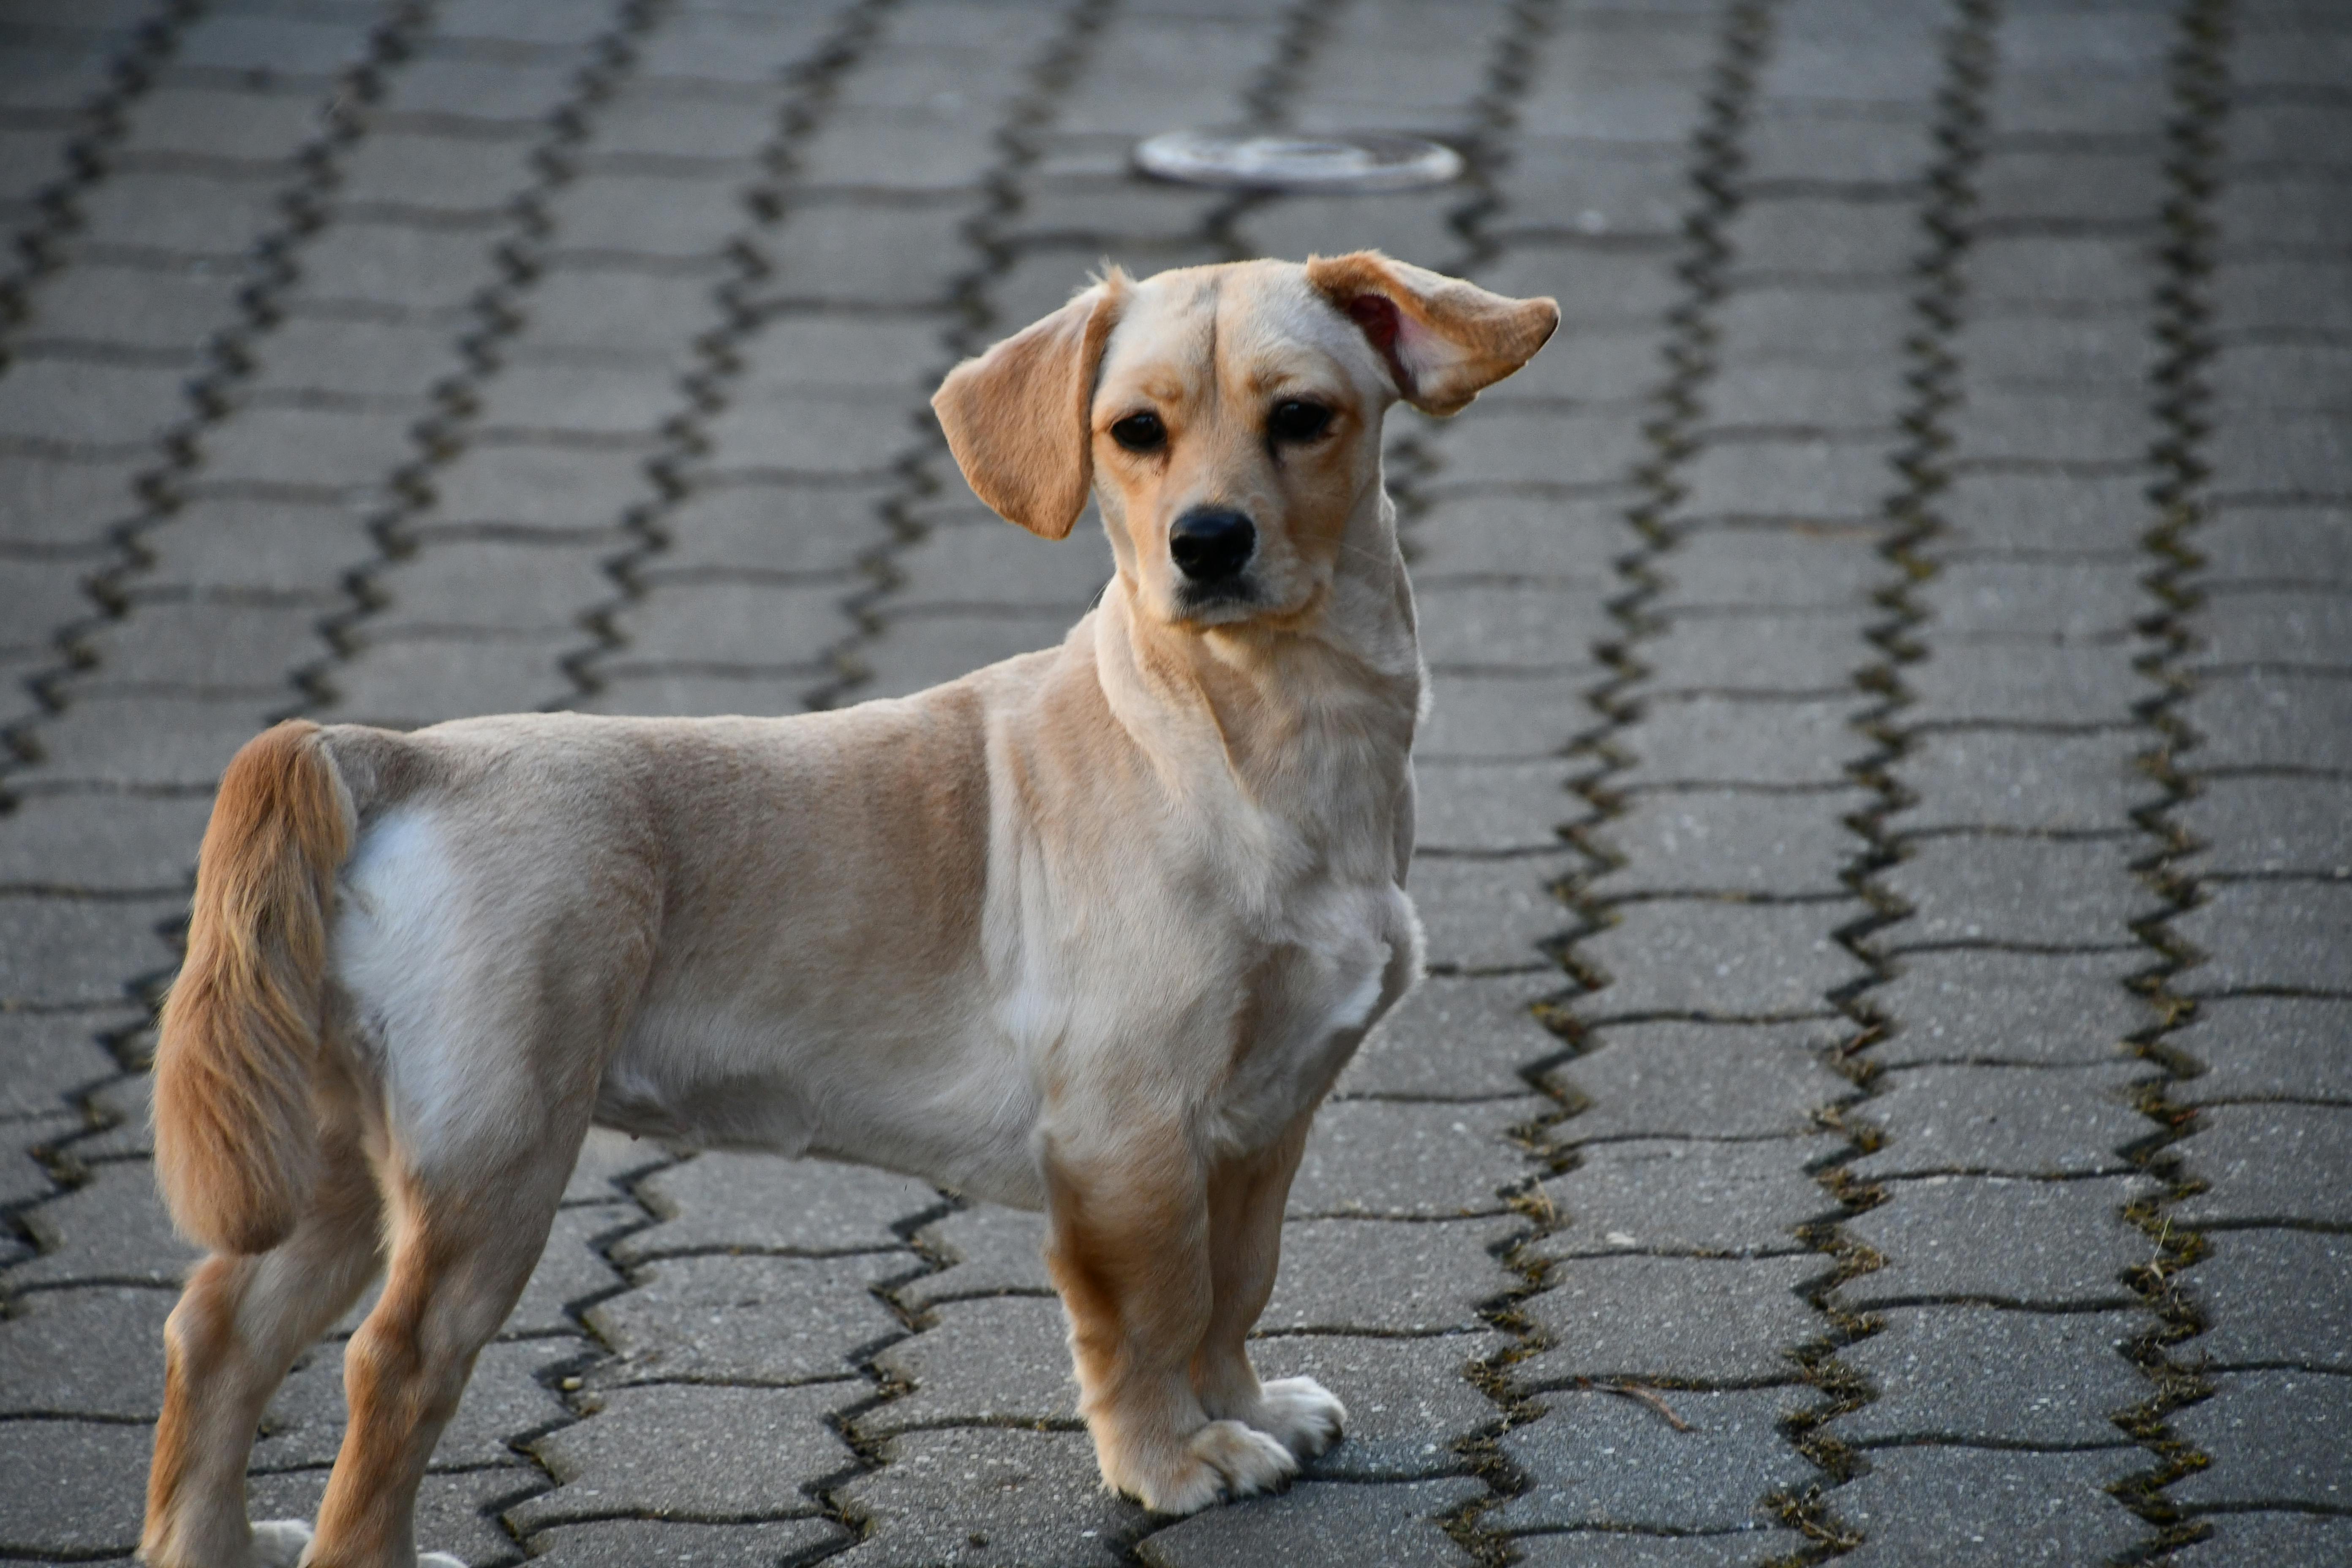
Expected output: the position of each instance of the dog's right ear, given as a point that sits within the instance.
(1018, 418)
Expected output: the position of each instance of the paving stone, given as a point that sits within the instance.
(110, 1230)
(2029, 892)
(2026, 781)
(46, 1058)
(1488, 914)
(2269, 1162)
(997, 1360)
(2033, 600)
(442, 175)
(2275, 626)
(57, 502)
(1498, 717)
(2274, 1297)
(2275, 1438)
(2312, 545)
(89, 950)
(1986, 1375)
(1720, 960)
(2003, 1120)
(405, 682)
(1991, 1508)
(1681, 1320)
(247, 544)
(1628, 288)
(1032, 1497)
(2027, 1009)
(971, 567)
(1731, 841)
(2246, 825)
(200, 644)
(635, 1542)
(754, 1320)
(323, 450)
(916, 652)
(570, 1269)
(772, 529)
(1847, 325)
(82, 403)
(833, 434)
(1401, 1160)
(618, 312)
(2273, 719)
(1599, 1458)
(683, 1451)
(504, 94)
(160, 310)
(1726, 1199)
(2015, 684)
(1783, 238)
(1800, 480)
(1545, 448)
(759, 1203)
(1466, 628)
(2292, 935)
(852, 253)
(75, 1488)
(47, 1363)
(1998, 1240)
(1355, 1275)
(2253, 1540)
(1314, 1524)
(508, 1395)
(1453, 1039)
(1770, 568)
(1409, 1403)
(1995, 511)
(987, 1249)
(1672, 1078)
(1616, 1549)
(1756, 653)
(410, 268)
(1699, 741)
(137, 214)
(2042, 351)
(2268, 1047)
(1588, 372)
(492, 584)
(2294, 455)
(455, 1511)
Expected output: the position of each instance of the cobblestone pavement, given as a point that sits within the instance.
(1884, 1086)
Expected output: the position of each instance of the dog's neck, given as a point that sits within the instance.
(1312, 716)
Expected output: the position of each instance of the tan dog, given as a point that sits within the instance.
(1094, 929)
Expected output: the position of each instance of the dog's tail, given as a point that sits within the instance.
(236, 1140)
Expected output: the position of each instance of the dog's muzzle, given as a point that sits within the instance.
(1212, 546)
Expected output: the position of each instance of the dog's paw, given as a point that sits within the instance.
(438, 1559)
(1223, 1458)
(280, 1543)
(1301, 1414)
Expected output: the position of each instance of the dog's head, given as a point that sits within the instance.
(1228, 417)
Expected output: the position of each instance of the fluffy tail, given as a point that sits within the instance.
(236, 1144)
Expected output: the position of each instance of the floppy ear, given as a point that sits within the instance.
(1017, 417)
(1444, 341)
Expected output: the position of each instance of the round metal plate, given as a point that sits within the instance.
(1369, 162)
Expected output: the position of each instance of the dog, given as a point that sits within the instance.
(1092, 931)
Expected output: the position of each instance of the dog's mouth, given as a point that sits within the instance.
(1225, 599)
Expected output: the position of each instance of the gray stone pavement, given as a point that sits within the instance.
(1884, 1087)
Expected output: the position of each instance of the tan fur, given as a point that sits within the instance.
(1092, 930)
(235, 1148)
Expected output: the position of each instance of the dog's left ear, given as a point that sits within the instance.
(1444, 341)
(1018, 418)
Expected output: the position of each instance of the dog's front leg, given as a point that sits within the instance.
(1130, 1253)
(1247, 1195)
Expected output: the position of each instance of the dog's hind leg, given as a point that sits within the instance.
(227, 1345)
(1130, 1253)
(466, 1236)
(1246, 1196)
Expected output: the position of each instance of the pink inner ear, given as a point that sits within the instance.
(1378, 317)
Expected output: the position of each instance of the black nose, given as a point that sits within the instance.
(1212, 545)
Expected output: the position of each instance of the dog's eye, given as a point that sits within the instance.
(1140, 433)
(1295, 420)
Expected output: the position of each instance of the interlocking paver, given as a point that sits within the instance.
(2000, 1240)
(1722, 960)
(2003, 1120)
(2025, 891)
(1717, 1080)
(2268, 934)
(1731, 841)
(746, 1203)
(2024, 781)
(2257, 825)
(1028, 1496)
(2278, 1436)
(2270, 1162)
(1610, 1460)
(1990, 1375)
(1404, 1160)
(681, 1450)
(1985, 1005)
(753, 1320)
(1456, 1039)
(1991, 1508)
(1682, 1319)
(2278, 1297)
(631, 1542)
(1325, 1526)
(1739, 1199)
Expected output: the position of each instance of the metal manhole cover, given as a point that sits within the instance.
(1368, 161)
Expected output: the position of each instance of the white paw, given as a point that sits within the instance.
(438, 1559)
(280, 1543)
(1301, 1414)
(1223, 1458)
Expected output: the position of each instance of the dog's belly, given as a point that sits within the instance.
(935, 1097)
